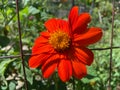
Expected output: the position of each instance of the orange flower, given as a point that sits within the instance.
(62, 46)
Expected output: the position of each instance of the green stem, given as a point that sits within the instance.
(73, 84)
(56, 82)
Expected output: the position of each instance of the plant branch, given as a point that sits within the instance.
(73, 3)
(107, 48)
(94, 49)
(73, 82)
(111, 45)
(20, 43)
(13, 56)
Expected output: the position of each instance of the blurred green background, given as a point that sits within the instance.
(33, 14)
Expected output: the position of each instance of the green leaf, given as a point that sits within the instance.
(91, 74)
(61, 85)
(4, 41)
(97, 1)
(85, 80)
(24, 11)
(12, 86)
(3, 66)
(29, 76)
(25, 2)
(4, 82)
(91, 71)
(33, 10)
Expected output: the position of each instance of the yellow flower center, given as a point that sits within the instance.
(59, 40)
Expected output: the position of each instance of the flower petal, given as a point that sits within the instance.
(50, 65)
(56, 24)
(51, 25)
(91, 36)
(78, 23)
(63, 25)
(41, 40)
(42, 49)
(36, 60)
(73, 16)
(79, 69)
(84, 55)
(82, 22)
(45, 34)
(65, 70)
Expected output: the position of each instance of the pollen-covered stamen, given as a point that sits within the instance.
(59, 40)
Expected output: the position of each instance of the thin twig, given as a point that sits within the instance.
(13, 56)
(10, 56)
(111, 45)
(20, 43)
(73, 3)
(73, 82)
(100, 16)
(92, 7)
(107, 48)
(9, 20)
(94, 49)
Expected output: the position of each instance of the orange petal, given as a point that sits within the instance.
(84, 55)
(49, 66)
(82, 22)
(36, 60)
(42, 49)
(63, 25)
(73, 16)
(51, 25)
(45, 34)
(91, 36)
(79, 69)
(78, 23)
(65, 70)
(56, 24)
(41, 40)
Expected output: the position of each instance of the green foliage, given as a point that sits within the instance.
(3, 66)
(4, 41)
(33, 14)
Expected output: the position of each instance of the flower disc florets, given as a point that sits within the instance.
(59, 40)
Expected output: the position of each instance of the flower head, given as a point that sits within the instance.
(63, 46)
